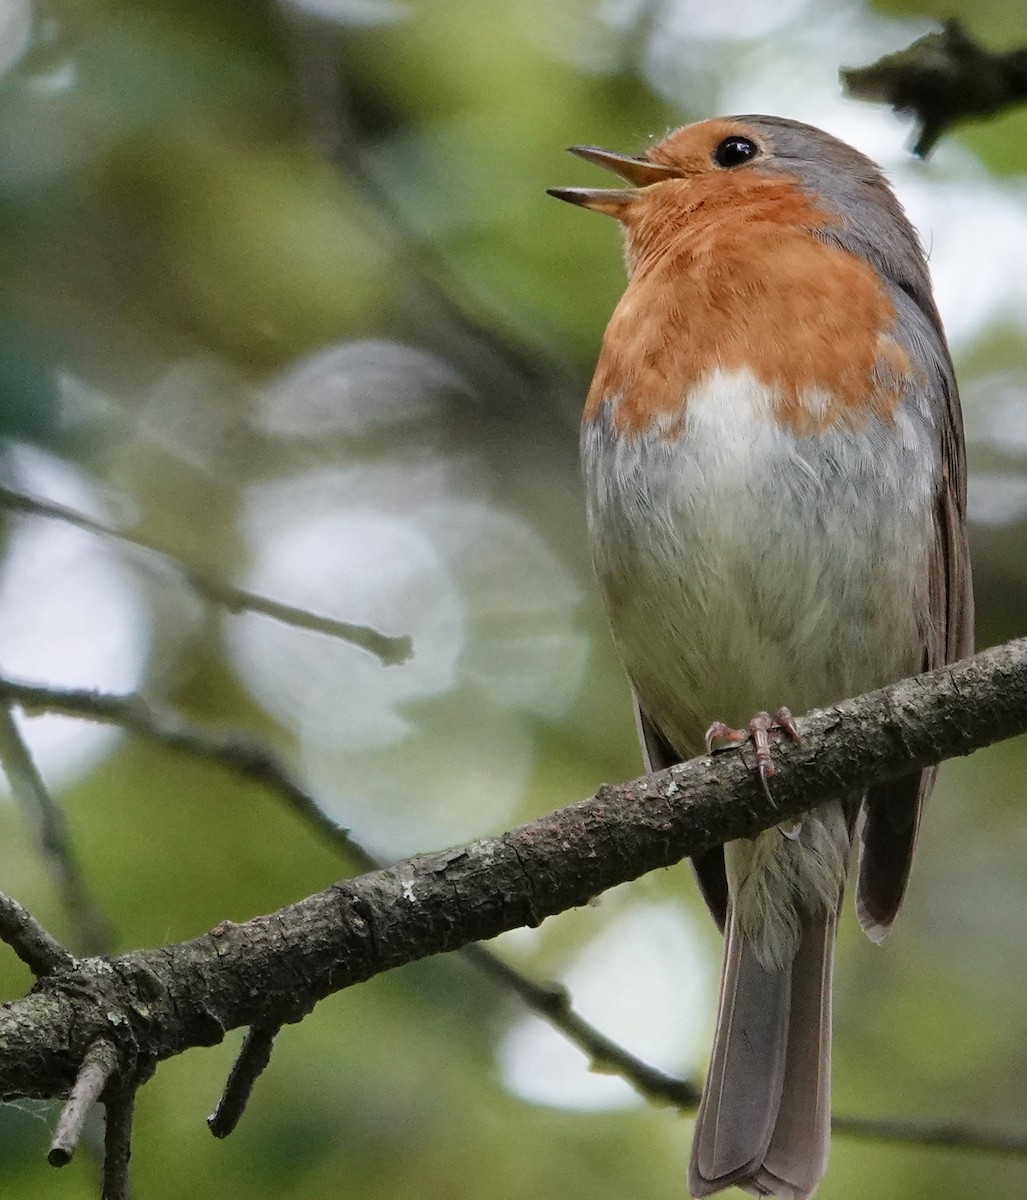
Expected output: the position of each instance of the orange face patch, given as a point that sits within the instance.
(727, 272)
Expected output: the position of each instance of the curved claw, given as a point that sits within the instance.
(758, 732)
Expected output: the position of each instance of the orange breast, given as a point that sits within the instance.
(738, 280)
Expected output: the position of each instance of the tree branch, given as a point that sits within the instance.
(117, 1143)
(51, 831)
(252, 760)
(254, 1056)
(39, 950)
(552, 1002)
(98, 1066)
(190, 993)
(232, 751)
(942, 78)
(391, 651)
(947, 1135)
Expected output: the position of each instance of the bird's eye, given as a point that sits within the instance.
(733, 151)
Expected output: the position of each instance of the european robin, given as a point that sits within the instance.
(774, 467)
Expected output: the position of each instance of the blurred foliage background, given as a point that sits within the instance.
(282, 293)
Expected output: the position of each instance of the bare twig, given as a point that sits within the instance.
(390, 650)
(942, 78)
(38, 950)
(237, 752)
(947, 1135)
(98, 1066)
(493, 348)
(552, 1002)
(254, 1056)
(117, 1144)
(52, 833)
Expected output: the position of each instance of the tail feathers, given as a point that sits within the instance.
(797, 1155)
(764, 1119)
(891, 816)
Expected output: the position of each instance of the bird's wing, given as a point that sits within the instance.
(709, 867)
(891, 812)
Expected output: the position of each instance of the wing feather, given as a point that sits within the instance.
(891, 812)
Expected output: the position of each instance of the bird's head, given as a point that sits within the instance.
(704, 180)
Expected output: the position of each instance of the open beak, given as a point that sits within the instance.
(639, 172)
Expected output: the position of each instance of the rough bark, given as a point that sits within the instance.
(154, 1004)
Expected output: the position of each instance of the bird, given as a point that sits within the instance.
(775, 482)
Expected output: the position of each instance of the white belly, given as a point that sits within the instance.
(745, 568)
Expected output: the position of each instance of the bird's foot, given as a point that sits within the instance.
(758, 732)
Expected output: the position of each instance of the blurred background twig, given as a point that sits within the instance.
(942, 78)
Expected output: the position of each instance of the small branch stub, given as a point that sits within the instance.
(97, 1068)
(117, 1144)
(40, 951)
(254, 1056)
(390, 650)
(51, 829)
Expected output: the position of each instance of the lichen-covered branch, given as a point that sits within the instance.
(155, 1004)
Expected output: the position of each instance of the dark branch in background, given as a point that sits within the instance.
(942, 1135)
(238, 752)
(191, 993)
(490, 356)
(941, 79)
(390, 650)
(552, 1002)
(51, 831)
